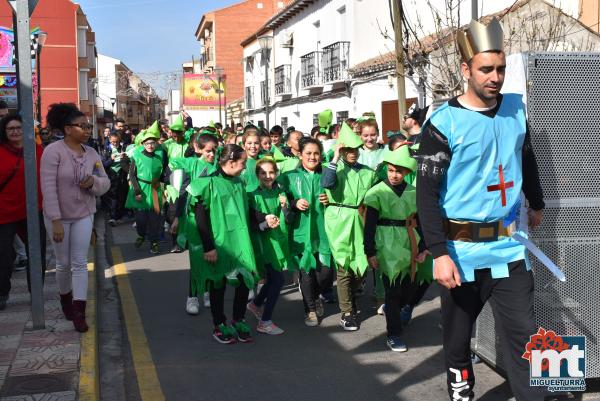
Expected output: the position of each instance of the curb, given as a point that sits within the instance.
(89, 372)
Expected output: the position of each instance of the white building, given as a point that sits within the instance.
(333, 54)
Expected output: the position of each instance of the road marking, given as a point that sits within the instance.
(143, 364)
(89, 389)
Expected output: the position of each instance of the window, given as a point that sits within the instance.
(315, 120)
(341, 116)
(82, 42)
(284, 122)
(263, 93)
(83, 85)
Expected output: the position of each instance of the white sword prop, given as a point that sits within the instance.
(540, 255)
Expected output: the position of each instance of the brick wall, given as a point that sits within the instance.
(232, 25)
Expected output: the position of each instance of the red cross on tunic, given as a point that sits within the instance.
(502, 186)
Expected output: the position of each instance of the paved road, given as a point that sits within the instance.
(321, 363)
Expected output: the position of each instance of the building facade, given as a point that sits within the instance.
(68, 58)
(220, 33)
(121, 93)
(339, 55)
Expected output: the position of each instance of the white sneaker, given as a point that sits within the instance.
(269, 328)
(206, 300)
(192, 306)
(381, 310)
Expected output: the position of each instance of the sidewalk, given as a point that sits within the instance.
(56, 363)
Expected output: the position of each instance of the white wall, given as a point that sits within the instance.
(107, 80)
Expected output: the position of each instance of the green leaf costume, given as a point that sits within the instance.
(149, 170)
(308, 235)
(227, 204)
(270, 246)
(174, 150)
(392, 242)
(343, 224)
(249, 177)
(194, 167)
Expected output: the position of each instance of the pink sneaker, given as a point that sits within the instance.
(256, 310)
(269, 328)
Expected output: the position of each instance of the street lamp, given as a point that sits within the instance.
(219, 72)
(112, 102)
(266, 43)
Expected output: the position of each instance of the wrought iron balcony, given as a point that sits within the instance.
(311, 69)
(336, 61)
(283, 80)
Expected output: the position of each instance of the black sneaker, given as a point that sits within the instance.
(396, 344)
(139, 241)
(154, 249)
(242, 331)
(224, 334)
(348, 322)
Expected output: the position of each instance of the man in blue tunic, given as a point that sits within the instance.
(475, 158)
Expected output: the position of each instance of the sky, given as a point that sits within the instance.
(151, 36)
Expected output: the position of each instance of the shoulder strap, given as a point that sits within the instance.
(12, 174)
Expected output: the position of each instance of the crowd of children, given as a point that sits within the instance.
(252, 205)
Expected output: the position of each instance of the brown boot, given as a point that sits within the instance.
(79, 316)
(66, 303)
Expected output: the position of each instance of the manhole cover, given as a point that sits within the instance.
(35, 384)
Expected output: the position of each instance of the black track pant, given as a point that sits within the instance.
(511, 299)
(217, 302)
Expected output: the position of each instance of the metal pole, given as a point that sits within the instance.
(31, 179)
(397, 10)
(268, 126)
(474, 9)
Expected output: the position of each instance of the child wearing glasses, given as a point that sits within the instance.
(147, 170)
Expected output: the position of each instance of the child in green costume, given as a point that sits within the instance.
(199, 164)
(148, 168)
(346, 184)
(175, 147)
(221, 212)
(252, 148)
(308, 241)
(270, 215)
(391, 243)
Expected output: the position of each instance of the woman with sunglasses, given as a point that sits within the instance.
(71, 177)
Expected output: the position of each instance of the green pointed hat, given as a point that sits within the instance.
(178, 124)
(151, 133)
(349, 137)
(325, 119)
(400, 157)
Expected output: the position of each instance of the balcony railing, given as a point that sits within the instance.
(283, 80)
(311, 69)
(336, 61)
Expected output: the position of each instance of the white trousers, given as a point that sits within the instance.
(72, 256)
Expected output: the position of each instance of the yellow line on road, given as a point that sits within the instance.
(147, 377)
(89, 389)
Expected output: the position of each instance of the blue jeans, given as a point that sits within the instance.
(269, 293)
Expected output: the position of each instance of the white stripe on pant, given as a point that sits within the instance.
(71, 256)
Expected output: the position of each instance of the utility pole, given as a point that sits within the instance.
(474, 10)
(23, 10)
(398, 13)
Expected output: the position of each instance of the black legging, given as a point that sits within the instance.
(269, 293)
(8, 254)
(217, 301)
